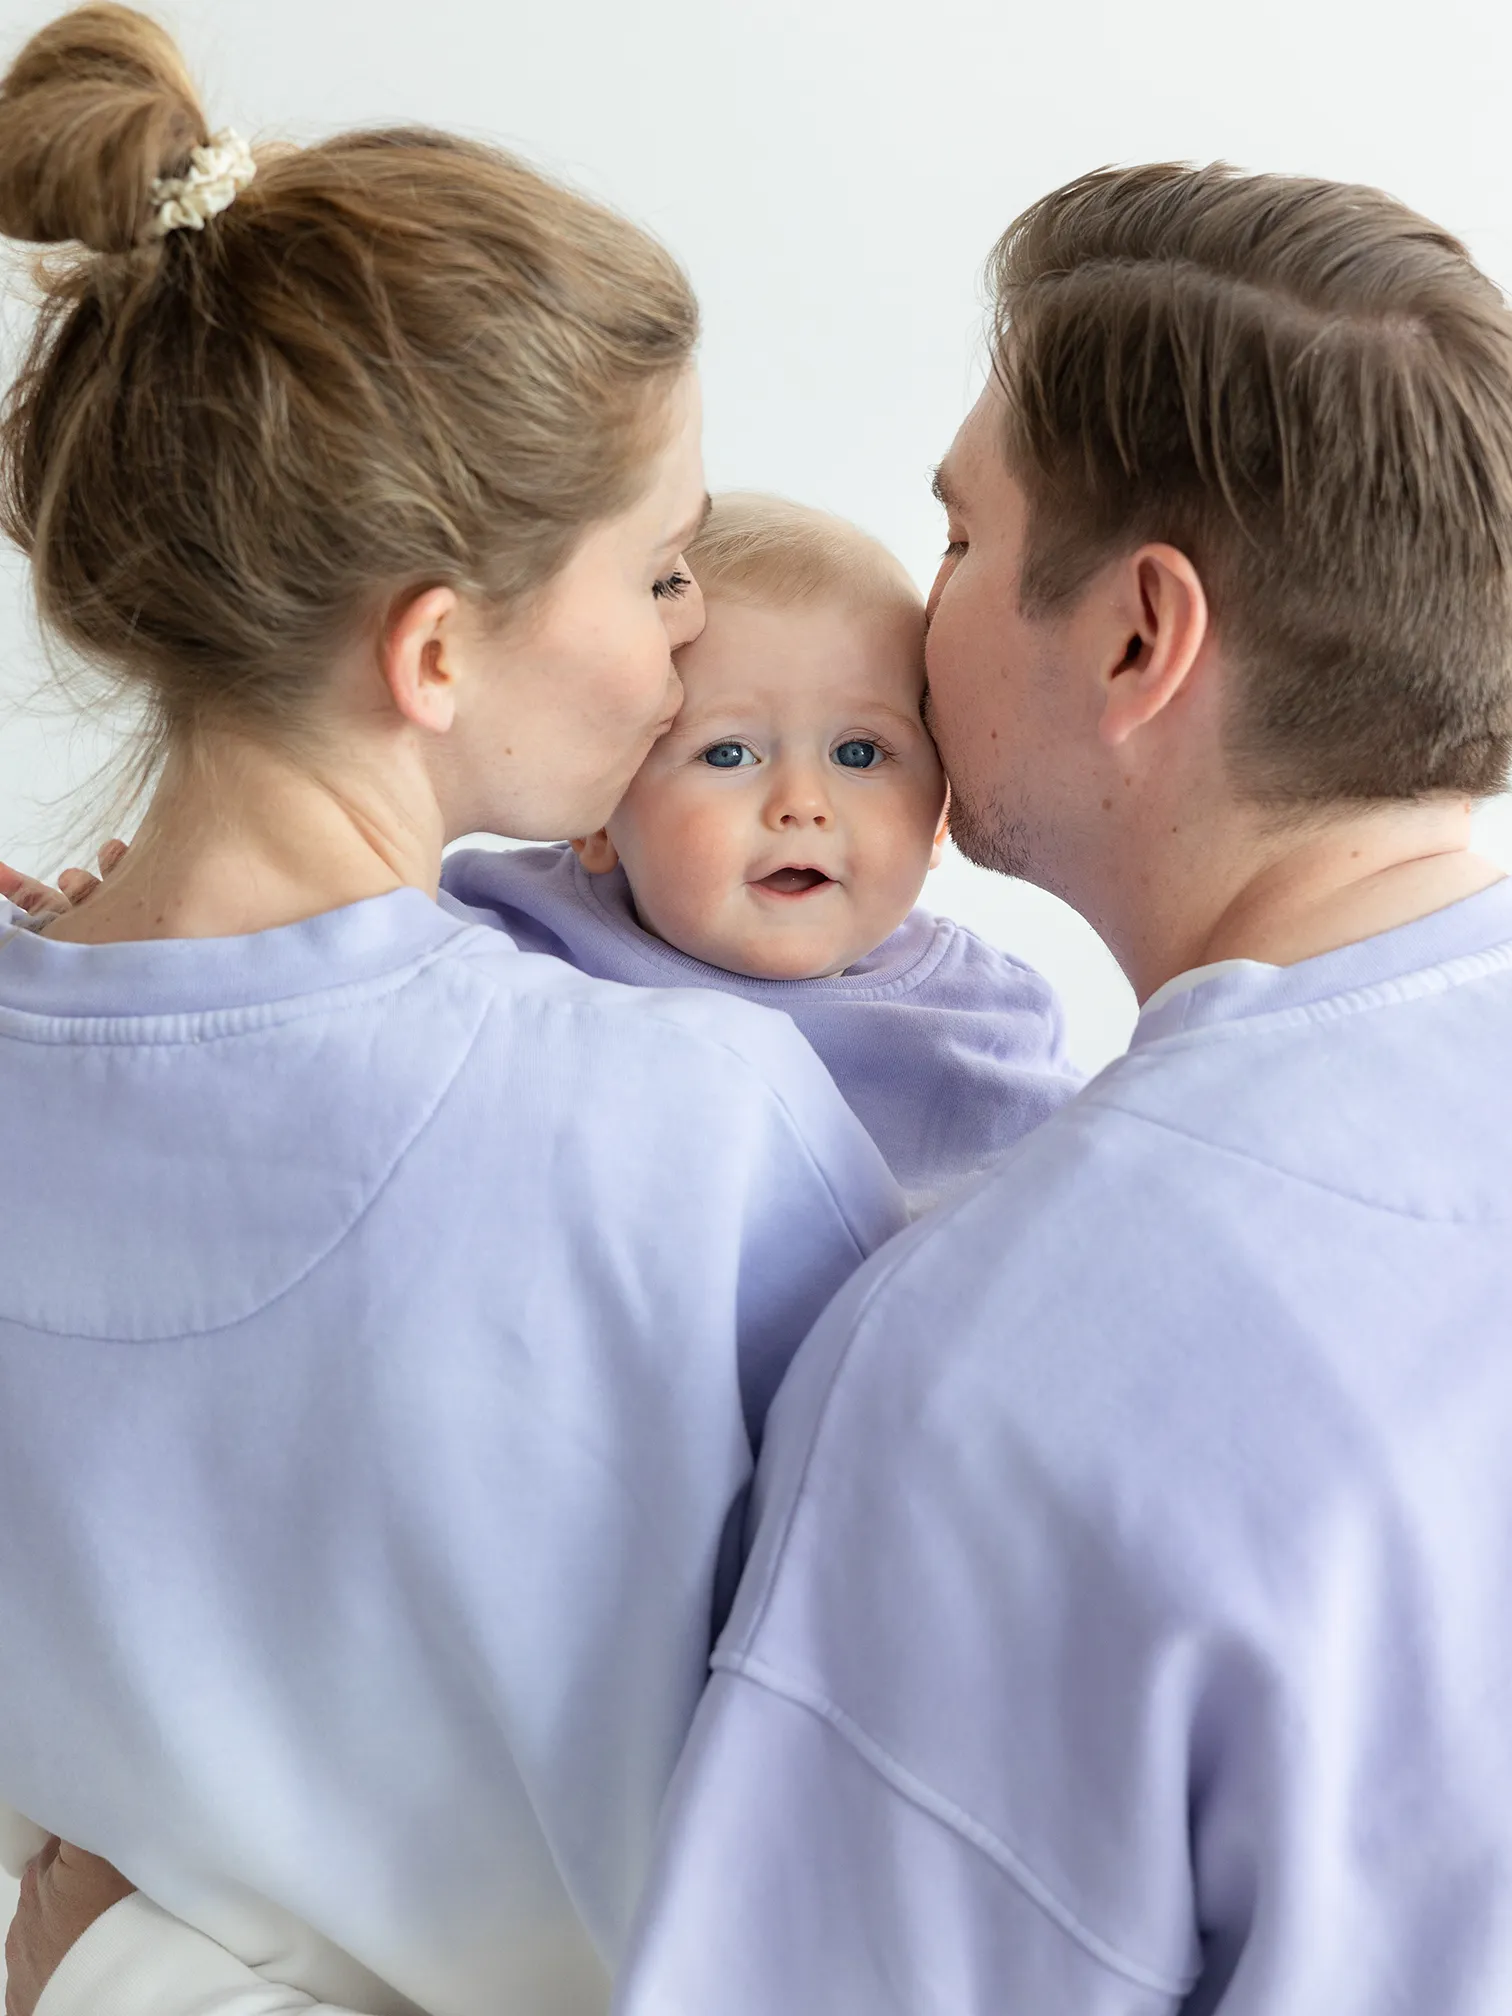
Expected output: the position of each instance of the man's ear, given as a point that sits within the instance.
(419, 654)
(1161, 624)
(942, 833)
(597, 852)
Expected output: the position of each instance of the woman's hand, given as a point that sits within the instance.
(42, 903)
(62, 1893)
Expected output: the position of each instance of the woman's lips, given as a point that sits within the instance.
(793, 881)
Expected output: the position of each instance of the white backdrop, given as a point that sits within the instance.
(833, 172)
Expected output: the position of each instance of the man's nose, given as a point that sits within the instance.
(798, 799)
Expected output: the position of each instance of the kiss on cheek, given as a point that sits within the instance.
(784, 827)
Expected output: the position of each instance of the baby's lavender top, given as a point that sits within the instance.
(947, 1049)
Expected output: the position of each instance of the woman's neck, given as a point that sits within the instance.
(242, 837)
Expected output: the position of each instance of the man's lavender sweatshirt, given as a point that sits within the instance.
(946, 1049)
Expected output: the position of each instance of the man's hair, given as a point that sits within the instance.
(1308, 389)
(764, 549)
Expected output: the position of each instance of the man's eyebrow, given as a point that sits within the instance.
(943, 490)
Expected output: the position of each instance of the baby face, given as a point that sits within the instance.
(784, 826)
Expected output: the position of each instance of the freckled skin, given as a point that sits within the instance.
(789, 688)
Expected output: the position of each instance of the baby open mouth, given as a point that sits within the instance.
(794, 881)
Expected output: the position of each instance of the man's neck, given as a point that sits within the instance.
(1281, 896)
(241, 838)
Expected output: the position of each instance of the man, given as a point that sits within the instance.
(1126, 1627)
(1123, 1632)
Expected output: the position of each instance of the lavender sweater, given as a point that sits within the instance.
(1127, 1630)
(946, 1049)
(377, 1397)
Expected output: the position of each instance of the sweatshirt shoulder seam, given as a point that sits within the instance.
(970, 1831)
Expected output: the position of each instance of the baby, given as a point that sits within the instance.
(774, 845)
(775, 842)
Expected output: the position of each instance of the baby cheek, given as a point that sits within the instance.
(696, 854)
(717, 841)
(898, 842)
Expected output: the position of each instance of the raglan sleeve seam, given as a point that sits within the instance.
(771, 1092)
(970, 1832)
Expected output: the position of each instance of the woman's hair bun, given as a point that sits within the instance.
(94, 109)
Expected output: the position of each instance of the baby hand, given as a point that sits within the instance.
(42, 903)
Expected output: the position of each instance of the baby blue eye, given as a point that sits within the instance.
(726, 755)
(857, 755)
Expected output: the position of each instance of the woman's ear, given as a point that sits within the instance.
(418, 655)
(597, 852)
(942, 833)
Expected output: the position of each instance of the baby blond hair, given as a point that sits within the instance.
(767, 549)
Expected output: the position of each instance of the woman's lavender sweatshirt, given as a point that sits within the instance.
(392, 1317)
(946, 1049)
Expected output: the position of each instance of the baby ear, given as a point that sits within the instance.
(942, 832)
(598, 852)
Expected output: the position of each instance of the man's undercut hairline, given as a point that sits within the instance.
(1307, 390)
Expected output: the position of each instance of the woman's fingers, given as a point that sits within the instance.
(77, 883)
(111, 855)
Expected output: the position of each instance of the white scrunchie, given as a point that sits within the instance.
(216, 172)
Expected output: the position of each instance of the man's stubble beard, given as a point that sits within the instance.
(992, 838)
(988, 834)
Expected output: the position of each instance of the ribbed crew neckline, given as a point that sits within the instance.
(1242, 988)
(158, 976)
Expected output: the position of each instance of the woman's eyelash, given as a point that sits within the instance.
(671, 585)
(954, 548)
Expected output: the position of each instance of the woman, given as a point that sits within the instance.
(398, 1311)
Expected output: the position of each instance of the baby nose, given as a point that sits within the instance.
(800, 800)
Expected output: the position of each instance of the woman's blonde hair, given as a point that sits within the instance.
(398, 360)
